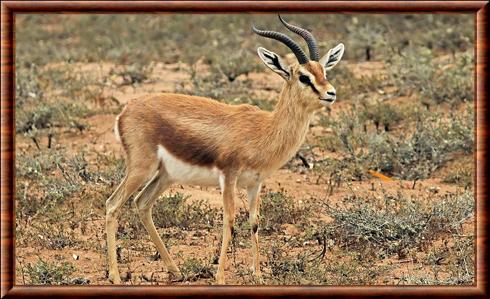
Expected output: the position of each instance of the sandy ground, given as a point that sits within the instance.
(89, 256)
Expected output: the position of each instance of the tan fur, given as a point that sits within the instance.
(207, 133)
(317, 71)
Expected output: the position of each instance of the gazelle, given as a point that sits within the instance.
(176, 138)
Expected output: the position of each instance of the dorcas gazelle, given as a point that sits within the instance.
(176, 138)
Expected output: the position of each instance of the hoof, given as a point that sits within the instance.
(115, 279)
(175, 276)
(259, 279)
(220, 278)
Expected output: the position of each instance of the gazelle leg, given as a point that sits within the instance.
(228, 221)
(113, 205)
(254, 205)
(144, 202)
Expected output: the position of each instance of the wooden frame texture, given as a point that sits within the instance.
(8, 10)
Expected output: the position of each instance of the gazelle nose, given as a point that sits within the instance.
(331, 95)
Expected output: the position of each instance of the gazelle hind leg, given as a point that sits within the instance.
(113, 205)
(254, 204)
(144, 202)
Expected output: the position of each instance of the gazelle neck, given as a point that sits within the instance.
(289, 109)
(289, 124)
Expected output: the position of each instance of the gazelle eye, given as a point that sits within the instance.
(304, 79)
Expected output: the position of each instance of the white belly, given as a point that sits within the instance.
(186, 173)
(182, 172)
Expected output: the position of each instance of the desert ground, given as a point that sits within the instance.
(380, 193)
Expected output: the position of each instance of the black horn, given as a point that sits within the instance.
(298, 52)
(307, 36)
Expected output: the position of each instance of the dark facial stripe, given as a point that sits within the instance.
(306, 80)
(313, 88)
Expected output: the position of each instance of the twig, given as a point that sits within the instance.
(414, 182)
(35, 142)
(303, 159)
(321, 256)
(50, 137)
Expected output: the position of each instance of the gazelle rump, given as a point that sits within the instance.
(175, 138)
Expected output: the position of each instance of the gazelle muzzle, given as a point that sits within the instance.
(329, 96)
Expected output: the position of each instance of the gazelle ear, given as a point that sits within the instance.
(274, 62)
(333, 57)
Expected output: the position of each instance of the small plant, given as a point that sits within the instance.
(303, 267)
(437, 82)
(170, 211)
(451, 263)
(334, 172)
(47, 273)
(396, 224)
(59, 240)
(408, 155)
(382, 114)
(279, 208)
(54, 174)
(175, 210)
(194, 269)
(284, 269)
(462, 176)
(367, 39)
(133, 74)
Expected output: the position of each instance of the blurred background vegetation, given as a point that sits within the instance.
(169, 38)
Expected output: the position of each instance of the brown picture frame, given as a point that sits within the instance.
(10, 8)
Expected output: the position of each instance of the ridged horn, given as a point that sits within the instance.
(307, 36)
(298, 52)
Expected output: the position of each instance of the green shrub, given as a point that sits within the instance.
(382, 114)
(194, 269)
(55, 175)
(453, 263)
(462, 176)
(47, 273)
(396, 224)
(37, 110)
(279, 208)
(305, 268)
(133, 74)
(436, 81)
(175, 211)
(408, 155)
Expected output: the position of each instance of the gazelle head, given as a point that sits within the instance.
(307, 79)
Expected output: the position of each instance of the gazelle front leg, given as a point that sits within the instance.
(229, 183)
(254, 205)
